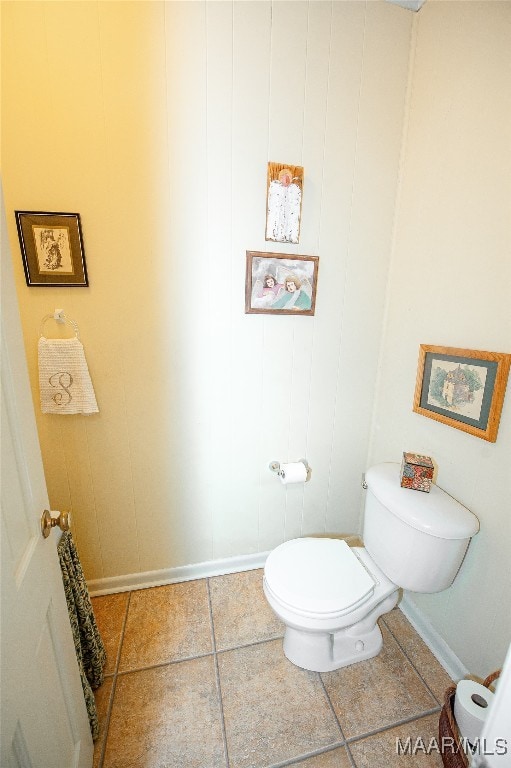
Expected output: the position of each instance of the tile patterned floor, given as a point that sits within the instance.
(196, 678)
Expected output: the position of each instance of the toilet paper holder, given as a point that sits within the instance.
(275, 467)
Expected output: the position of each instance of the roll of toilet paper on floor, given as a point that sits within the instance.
(470, 707)
(293, 473)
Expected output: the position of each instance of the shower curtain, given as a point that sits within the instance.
(89, 647)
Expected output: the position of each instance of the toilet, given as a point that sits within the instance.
(330, 595)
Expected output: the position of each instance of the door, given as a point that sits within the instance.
(495, 743)
(44, 721)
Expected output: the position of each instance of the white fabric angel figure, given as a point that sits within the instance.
(283, 212)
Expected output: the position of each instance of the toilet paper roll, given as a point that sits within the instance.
(470, 707)
(293, 473)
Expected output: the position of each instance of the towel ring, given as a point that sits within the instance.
(60, 317)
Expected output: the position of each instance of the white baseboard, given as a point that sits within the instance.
(146, 579)
(436, 644)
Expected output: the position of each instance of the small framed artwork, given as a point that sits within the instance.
(52, 248)
(280, 284)
(284, 202)
(463, 388)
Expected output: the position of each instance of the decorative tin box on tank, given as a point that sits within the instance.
(416, 472)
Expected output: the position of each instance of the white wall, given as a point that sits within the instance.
(450, 285)
(155, 121)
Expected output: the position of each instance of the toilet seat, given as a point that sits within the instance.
(318, 578)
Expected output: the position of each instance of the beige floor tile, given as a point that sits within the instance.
(419, 654)
(102, 697)
(378, 692)
(167, 717)
(110, 612)
(241, 613)
(273, 710)
(336, 758)
(382, 749)
(166, 624)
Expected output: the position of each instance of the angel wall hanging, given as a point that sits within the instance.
(280, 283)
(284, 202)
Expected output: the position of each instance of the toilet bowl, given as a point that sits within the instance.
(330, 596)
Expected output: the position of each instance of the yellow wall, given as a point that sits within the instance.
(155, 122)
(450, 285)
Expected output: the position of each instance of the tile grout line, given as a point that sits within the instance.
(390, 726)
(114, 684)
(403, 649)
(345, 740)
(306, 756)
(217, 674)
(166, 663)
(249, 645)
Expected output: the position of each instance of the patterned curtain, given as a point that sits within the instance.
(90, 650)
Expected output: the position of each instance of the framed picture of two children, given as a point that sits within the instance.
(279, 283)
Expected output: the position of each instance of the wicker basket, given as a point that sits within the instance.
(454, 756)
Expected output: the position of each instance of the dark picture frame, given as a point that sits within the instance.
(52, 249)
(280, 284)
(463, 388)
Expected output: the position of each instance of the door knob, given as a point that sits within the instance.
(63, 521)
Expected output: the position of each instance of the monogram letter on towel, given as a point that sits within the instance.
(64, 379)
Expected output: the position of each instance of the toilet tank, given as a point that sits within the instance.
(418, 539)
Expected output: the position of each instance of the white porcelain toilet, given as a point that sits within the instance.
(330, 596)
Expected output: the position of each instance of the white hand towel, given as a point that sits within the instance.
(64, 378)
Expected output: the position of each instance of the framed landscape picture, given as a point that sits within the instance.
(52, 248)
(280, 284)
(463, 388)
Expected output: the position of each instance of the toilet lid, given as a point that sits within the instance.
(318, 575)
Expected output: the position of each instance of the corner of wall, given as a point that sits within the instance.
(397, 208)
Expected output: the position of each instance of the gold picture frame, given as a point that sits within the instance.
(463, 388)
(280, 283)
